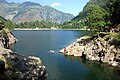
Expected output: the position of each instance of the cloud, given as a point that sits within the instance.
(55, 4)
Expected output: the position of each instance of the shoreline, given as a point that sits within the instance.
(46, 29)
(95, 50)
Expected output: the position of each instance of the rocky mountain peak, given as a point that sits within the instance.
(26, 4)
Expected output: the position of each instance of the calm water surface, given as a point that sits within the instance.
(60, 67)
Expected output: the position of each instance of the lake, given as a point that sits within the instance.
(60, 67)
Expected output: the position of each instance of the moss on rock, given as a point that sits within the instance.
(8, 65)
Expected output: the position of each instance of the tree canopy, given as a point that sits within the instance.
(96, 18)
(37, 24)
(7, 23)
(114, 10)
(99, 15)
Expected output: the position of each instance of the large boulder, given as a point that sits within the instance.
(20, 67)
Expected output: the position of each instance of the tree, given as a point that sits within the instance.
(96, 18)
(114, 10)
(9, 24)
(37, 24)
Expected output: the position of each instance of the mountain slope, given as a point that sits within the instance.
(80, 21)
(89, 6)
(29, 11)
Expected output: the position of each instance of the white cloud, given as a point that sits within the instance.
(55, 4)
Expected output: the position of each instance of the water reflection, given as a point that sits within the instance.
(97, 70)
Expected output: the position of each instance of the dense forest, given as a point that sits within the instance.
(38, 24)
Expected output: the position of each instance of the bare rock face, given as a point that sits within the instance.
(18, 67)
(11, 38)
(98, 49)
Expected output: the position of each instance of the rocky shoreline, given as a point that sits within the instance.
(14, 66)
(100, 48)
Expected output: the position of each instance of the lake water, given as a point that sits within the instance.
(60, 67)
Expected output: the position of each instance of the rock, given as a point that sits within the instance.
(23, 67)
(114, 63)
(2, 67)
(11, 38)
(95, 48)
(1, 43)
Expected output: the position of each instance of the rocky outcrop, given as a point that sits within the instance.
(20, 67)
(14, 66)
(99, 48)
(6, 38)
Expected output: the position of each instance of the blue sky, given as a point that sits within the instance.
(67, 6)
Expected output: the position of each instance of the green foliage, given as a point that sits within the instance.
(8, 65)
(74, 25)
(100, 15)
(114, 10)
(37, 24)
(116, 40)
(87, 8)
(96, 18)
(7, 23)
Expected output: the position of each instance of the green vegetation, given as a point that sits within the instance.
(6, 24)
(97, 15)
(8, 65)
(114, 10)
(96, 18)
(37, 24)
(74, 25)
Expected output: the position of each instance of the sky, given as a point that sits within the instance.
(67, 6)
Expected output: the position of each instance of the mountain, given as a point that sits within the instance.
(88, 7)
(3, 1)
(80, 21)
(30, 11)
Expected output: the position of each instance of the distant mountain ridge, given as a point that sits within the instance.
(30, 11)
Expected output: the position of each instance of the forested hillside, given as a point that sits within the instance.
(101, 15)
